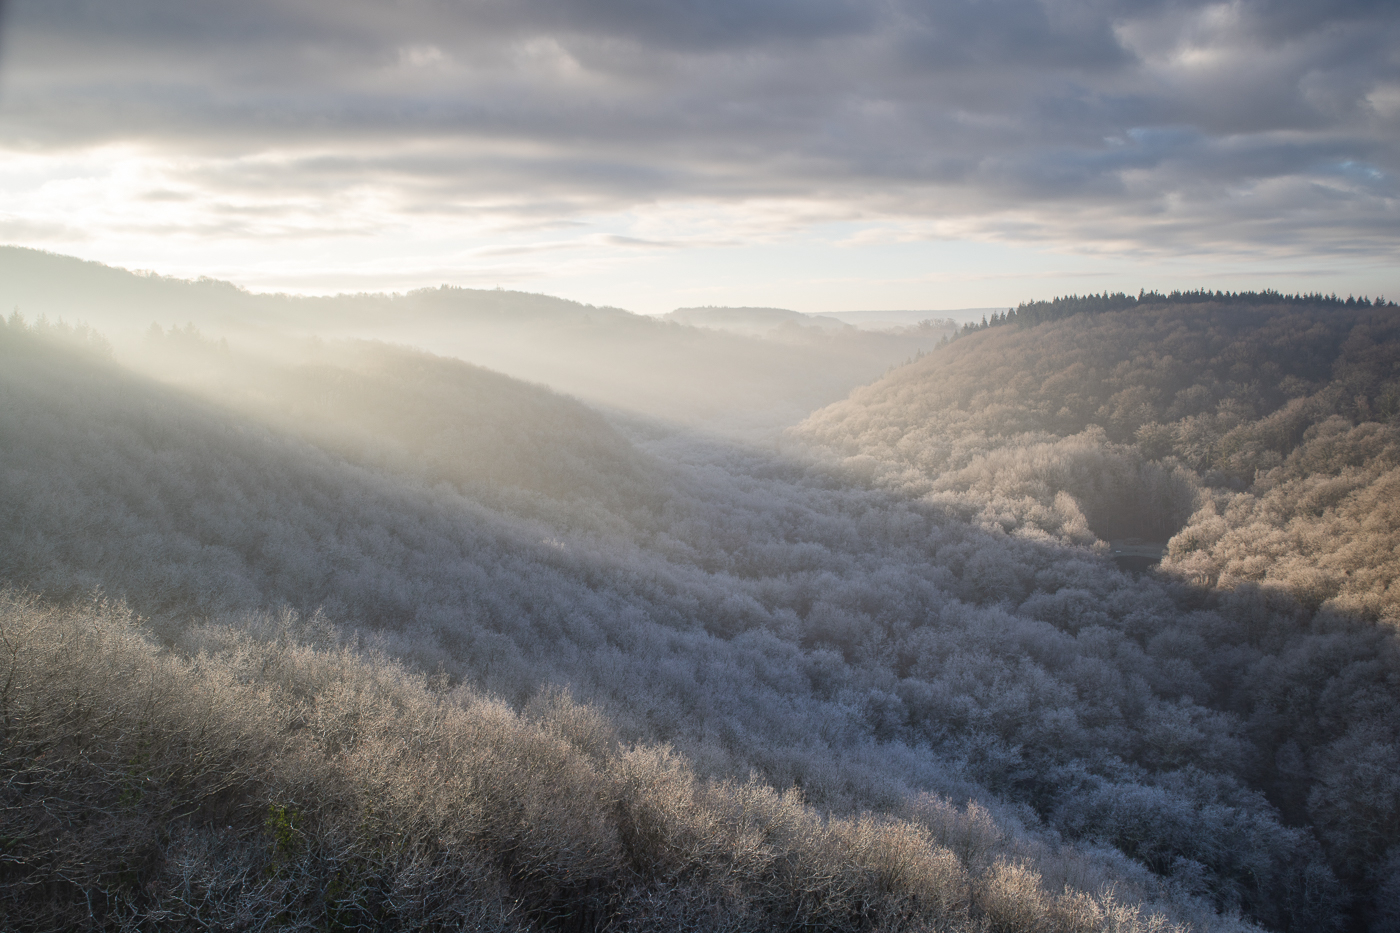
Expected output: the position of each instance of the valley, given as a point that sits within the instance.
(546, 616)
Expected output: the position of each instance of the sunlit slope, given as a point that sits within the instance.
(180, 504)
(1279, 422)
(607, 356)
(270, 776)
(403, 410)
(763, 618)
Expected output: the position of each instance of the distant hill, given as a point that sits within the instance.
(117, 301)
(42, 284)
(610, 357)
(754, 322)
(894, 320)
(780, 322)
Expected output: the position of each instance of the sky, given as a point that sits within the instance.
(819, 155)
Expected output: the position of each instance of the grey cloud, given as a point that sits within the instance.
(670, 23)
(687, 24)
(1284, 19)
(905, 106)
(1013, 34)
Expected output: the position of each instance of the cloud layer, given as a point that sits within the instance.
(1262, 127)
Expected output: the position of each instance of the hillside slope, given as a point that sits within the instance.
(1268, 432)
(412, 412)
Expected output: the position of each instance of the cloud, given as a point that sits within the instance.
(1256, 124)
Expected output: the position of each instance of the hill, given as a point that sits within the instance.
(1259, 437)
(626, 362)
(412, 412)
(894, 319)
(793, 325)
(755, 322)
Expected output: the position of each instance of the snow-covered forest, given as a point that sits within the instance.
(306, 629)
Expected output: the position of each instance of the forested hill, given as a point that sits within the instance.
(1262, 436)
(1030, 313)
(42, 284)
(721, 381)
(420, 414)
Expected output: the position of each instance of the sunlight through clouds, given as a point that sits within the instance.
(283, 145)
